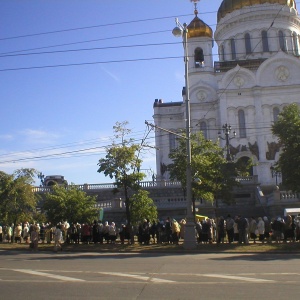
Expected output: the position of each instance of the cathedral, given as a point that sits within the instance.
(237, 98)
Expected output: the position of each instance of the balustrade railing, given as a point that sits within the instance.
(100, 186)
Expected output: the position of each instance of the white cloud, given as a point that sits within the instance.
(38, 136)
(6, 137)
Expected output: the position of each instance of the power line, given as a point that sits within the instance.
(89, 49)
(89, 63)
(87, 41)
(89, 27)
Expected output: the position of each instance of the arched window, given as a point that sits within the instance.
(222, 53)
(199, 57)
(233, 52)
(203, 128)
(295, 44)
(242, 123)
(275, 113)
(265, 42)
(281, 40)
(247, 43)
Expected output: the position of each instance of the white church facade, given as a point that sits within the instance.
(256, 75)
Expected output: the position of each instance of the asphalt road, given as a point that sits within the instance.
(148, 276)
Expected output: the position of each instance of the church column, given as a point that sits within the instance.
(222, 108)
(258, 118)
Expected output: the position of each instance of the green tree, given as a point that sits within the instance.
(69, 203)
(212, 175)
(142, 207)
(17, 199)
(287, 129)
(122, 163)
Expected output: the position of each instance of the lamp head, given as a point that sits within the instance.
(177, 32)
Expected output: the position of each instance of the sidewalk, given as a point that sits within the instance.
(292, 247)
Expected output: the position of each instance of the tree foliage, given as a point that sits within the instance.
(69, 204)
(212, 175)
(17, 198)
(122, 163)
(142, 207)
(287, 129)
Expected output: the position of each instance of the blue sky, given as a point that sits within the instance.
(58, 102)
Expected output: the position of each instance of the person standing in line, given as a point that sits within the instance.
(236, 231)
(96, 238)
(9, 233)
(243, 229)
(34, 238)
(199, 232)
(26, 233)
(18, 233)
(175, 232)
(112, 233)
(278, 228)
(230, 229)
(261, 229)
(221, 230)
(58, 238)
(168, 230)
(253, 229)
(268, 228)
(182, 228)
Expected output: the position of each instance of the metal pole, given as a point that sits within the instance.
(189, 235)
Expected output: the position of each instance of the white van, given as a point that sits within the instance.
(291, 211)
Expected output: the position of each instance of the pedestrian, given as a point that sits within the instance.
(34, 238)
(18, 233)
(268, 228)
(8, 233)
(221, 230)
(182, 228)
(112, 232)
(199, 231)
(253, 229)
(168, 230)
(261, 229)
(58, 238)
(236, 231)
(175, 232)
(277, 229)
(230, 229)
(242, 225)
(26, 233)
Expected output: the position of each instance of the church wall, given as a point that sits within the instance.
(216, 98)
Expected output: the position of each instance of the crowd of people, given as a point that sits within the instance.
(242, 230)
(207, 230)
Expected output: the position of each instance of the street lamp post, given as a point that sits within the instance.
(189, 235)
(275, 174)
(227, 129)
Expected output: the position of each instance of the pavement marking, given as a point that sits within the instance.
(146, 278)
(59, 277)
(257, 280)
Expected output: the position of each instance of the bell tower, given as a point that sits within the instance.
(200, 44)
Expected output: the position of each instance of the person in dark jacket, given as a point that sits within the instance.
(277, 229)
(242, 224)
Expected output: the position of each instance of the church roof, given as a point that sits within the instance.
(198, 28)
(228, 6)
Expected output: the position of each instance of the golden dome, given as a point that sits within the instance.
(197, 28)
(228, 6)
